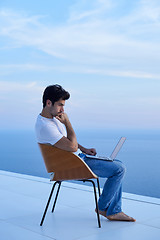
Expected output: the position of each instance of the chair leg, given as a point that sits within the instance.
(50, 196)
(95, 194)
(99, 191)
(56, 196)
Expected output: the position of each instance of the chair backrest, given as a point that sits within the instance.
(65, 165)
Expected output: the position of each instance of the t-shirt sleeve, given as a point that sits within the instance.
(50, 134)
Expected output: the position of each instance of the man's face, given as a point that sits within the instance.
(57, 108)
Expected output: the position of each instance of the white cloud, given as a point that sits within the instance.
(151, 10)
(126, 106)
(89, 9)
(19, 105)
(6, 69)
(123, 45)
(91, 41)
(17, 90)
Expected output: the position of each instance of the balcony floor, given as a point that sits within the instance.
(23, 199)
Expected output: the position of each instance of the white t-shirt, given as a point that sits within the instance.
(49, 130)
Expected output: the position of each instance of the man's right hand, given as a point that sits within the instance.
(68, 143)
(63, 118)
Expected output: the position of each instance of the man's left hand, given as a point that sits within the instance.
(91, 151)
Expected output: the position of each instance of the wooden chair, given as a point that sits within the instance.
(66, 166)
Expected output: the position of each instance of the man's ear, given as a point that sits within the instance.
(48, 103)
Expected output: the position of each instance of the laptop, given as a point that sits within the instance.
(113, 154)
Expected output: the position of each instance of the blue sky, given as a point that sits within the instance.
(105, 52)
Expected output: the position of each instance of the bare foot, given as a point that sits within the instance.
(117, 217)
(103, 213)
(121, 217)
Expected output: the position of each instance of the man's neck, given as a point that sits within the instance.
(46, 114)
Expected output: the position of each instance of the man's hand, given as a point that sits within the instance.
(63, 118)
(90, 151)
(68, 143)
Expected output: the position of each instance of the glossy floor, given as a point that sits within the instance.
(22, 203)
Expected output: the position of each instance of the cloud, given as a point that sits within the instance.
(89, 9)
(13, 91)
(124, 45)
(6, 69)
(151, 10)
(19, 104)
(127, 105)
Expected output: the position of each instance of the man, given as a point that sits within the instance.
(53, 127)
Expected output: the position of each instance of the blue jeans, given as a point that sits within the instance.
(111, 197)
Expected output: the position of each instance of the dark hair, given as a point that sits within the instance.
(54, 93)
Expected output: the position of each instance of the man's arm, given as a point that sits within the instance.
(68, 143)
(89, 151)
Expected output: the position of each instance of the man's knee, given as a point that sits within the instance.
(121, 168)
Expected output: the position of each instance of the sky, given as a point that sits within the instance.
(106, 53)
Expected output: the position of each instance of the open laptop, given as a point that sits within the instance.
(113, 154)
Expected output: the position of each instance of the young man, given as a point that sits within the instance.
(53, 127)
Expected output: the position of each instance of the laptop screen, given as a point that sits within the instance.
(118, 147)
